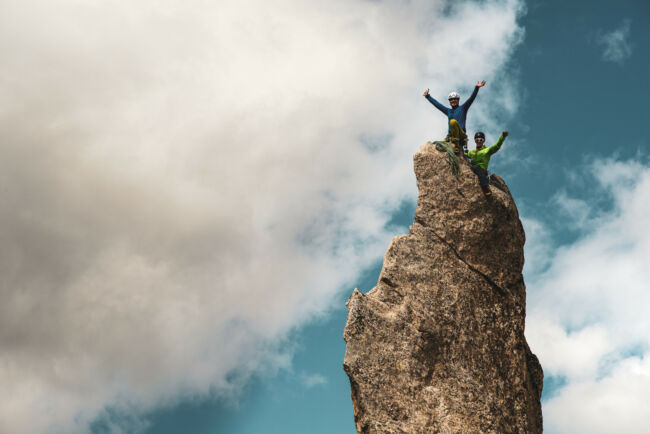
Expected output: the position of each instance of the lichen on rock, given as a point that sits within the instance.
(438, 345)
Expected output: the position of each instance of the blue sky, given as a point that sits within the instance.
(191, 192)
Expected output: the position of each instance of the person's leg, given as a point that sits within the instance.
(457, 136)
(483, 179)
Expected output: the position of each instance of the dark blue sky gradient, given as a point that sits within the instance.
(576, 105)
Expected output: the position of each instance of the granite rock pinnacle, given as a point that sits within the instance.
(438, 345)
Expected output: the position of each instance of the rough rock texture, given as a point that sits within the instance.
(438, 345)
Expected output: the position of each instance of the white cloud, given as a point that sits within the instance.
(538, 249)
(576, 212)
(312, 380)
(616, 44)
(184, 183)
(587, 315)
(617, 403)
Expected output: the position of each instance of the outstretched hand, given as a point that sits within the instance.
(504, 134)
(426, 92)
(480, 83)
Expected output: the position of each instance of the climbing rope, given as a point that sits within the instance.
(452, 158)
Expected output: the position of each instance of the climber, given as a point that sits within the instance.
(456, 115)
(480, 158)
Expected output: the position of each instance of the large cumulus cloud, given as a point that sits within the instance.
(184, 183)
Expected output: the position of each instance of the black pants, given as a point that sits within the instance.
(482, 174)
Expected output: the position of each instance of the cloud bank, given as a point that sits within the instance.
(588, 309)
(185, 183)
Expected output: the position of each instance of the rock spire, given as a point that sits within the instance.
(438, 345)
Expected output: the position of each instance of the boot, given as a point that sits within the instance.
(486, 190)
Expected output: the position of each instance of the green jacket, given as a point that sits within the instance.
(482, 158)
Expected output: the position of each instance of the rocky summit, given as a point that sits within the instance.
(438, 345)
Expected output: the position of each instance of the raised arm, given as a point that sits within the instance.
(470, 100)
(494, 148)
(435, 103)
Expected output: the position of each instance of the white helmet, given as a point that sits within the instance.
(453, 95)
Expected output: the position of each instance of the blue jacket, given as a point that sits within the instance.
(460, 112)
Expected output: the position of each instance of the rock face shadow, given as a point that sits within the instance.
(438, 345)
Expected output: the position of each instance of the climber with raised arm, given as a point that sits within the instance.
(480, 158)
(457, 114)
